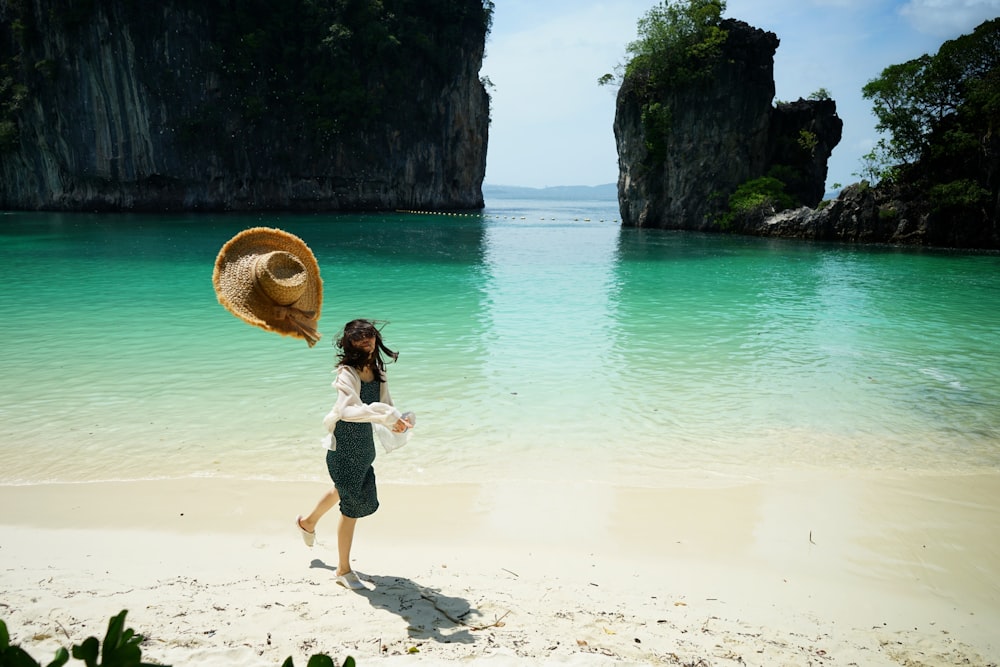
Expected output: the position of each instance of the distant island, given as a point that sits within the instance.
(605, 192)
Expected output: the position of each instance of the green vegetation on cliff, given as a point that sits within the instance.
(954, 95)
(679, 42)
(760, 197)
(347, 64)
(942, 116)
(326, 69)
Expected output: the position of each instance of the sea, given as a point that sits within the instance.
(538, 340)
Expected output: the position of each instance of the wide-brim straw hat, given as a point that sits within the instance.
(270, 279)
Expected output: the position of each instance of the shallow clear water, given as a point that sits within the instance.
(538, 340)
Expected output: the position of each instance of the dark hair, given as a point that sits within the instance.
(359, 359)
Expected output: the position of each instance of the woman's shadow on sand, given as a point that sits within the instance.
(430, 614)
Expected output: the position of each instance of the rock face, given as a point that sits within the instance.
(887, 213)
(126, 109)
(723, 132)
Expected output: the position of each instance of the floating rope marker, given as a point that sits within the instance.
(489, 216)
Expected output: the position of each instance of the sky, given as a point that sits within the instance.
(552, 124)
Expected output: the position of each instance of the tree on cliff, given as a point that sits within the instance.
(914, 98)
(678, 41)
(942, 115)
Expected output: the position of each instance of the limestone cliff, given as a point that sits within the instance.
(184, 105)
(723, 132)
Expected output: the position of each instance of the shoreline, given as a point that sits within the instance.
(864, 569)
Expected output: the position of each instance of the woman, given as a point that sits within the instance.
(362, 400)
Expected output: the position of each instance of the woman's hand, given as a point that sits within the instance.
(401, 425)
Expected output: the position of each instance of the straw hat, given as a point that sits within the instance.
(270, 279)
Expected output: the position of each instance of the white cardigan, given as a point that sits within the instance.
(350, 408)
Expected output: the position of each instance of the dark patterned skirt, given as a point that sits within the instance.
(350, 465)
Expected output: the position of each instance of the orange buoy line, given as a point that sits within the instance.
(493, 217)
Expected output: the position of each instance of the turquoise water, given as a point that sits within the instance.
(538, 340)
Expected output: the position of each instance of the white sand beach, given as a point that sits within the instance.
(822, 568)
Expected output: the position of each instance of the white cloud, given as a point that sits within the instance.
(948, 18)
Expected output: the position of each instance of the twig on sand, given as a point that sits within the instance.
(458, 621)
(495, 624)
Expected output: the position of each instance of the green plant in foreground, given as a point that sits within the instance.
(119, 649)
(321, 660)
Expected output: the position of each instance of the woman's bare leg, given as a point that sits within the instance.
(325, 504)
(345, 538)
